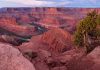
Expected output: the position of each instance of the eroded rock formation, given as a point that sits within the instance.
(56, 40)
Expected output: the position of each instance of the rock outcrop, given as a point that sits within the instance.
(55, 41)
(12, 40)
(89, 62)
(12, 59)
(60, 16)
(23, 31)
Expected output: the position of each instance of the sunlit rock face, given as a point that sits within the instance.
(60, 17)
(12, 59)
(55, 41)
(22, 18)
(11, 25)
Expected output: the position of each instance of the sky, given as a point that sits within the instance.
(50, 3)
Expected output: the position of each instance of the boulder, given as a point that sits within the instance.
(12, 59)
(89, 62)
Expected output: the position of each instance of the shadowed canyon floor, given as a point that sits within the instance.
(42, 39)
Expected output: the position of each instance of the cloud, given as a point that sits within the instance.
(39, 2)
(28, 2)
(49, 3)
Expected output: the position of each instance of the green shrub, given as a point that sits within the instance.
(85, 29)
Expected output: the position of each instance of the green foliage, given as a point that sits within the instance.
(98, 23)
(78, 38)
(86, 26)
(98, 19)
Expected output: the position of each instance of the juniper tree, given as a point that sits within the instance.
(85, 28)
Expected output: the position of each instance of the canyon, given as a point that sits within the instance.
(42, 39)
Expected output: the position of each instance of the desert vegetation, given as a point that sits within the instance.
(87, 31)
